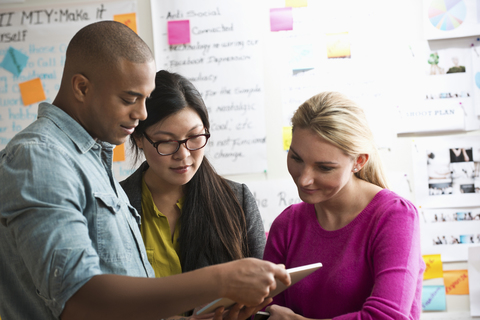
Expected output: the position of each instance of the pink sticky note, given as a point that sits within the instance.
(281, 19)
(178, 32)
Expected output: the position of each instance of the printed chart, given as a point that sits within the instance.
(447, 14)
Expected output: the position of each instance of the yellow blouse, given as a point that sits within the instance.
(162, 251)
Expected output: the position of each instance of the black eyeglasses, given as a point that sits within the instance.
(169, 147)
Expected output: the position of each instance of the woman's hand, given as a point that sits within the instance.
(281, 313)
(239, 312)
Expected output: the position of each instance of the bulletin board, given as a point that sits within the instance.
(32, 55)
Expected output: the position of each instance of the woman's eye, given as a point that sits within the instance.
(296, 159)
(325, 168)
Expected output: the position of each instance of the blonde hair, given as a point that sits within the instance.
(342, 123)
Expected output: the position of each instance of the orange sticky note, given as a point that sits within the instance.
(128, 19)
(456, 281)
(32, 91)
(338, 45)
(119, 153)
(434, 266)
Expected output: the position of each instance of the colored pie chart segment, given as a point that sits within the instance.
(447, 14)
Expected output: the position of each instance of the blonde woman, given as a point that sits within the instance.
(366, 236)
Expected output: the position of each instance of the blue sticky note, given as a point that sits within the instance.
(434, 298)
(477, 77)
(302, 57)
(14, 61)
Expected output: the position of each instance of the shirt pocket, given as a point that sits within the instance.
(114, 236)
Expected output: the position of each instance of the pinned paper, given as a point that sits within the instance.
(434, 266)
(474, 280)
(128, 19)
(178, 32)
(433, 298)
(295, 3)
(281, 19)
(456, 281)
(287, 137)
(32, 91)
(119, 153)
(338, 45)
(14, 61)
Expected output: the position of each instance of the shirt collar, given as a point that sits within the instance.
(74, 130)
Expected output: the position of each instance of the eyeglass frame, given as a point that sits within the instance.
(180, 142)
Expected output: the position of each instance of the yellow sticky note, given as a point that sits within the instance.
(456, 281)
(295, 3)
(32, 91)
(119, 153)
(128, 19)
(434, 266)
(338, 45)
(286, 137)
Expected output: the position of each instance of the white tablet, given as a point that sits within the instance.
(296, 274)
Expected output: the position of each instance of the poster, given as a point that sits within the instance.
(450, 231)
(447, 171)
(32, 56)
(224, 61)
(448, 92)
(443, 19)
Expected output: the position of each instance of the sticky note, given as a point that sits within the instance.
(281, 19)
(295, 3)
(14, 61)
(456, 281)
(119, 153)
(128, 19)
(287, 137)
(434, 266)
(302, 57)
(178, 32)
(32, 91)
(433, 298)
(338, 45)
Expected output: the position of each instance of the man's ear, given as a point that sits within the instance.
(80, 86)
(361, 161)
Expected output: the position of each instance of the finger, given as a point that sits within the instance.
(282, 275)
(233, 312)
(218, 315)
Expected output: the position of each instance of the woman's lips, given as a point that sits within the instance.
(182, 169)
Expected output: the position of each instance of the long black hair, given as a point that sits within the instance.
(213, 224)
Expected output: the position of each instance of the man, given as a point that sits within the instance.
(70, 245)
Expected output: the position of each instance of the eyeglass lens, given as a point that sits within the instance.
(193, 143)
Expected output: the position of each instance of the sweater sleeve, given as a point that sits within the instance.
(255, 230)
(397, 265)
(276, 247)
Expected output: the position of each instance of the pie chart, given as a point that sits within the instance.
(447, 14)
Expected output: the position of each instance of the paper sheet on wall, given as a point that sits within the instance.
(225, 63)
(444, 19)
(38, 38)
(447, 171)
(449, 231)
(474, 280)
(273, 197)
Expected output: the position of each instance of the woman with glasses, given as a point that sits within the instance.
(191, 216)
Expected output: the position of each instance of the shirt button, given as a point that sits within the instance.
(55, 274)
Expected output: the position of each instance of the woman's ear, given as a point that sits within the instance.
(80, 86)
(361, 161)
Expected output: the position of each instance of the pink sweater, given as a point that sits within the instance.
(372, 268)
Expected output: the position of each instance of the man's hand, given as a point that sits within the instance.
(249, 281)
